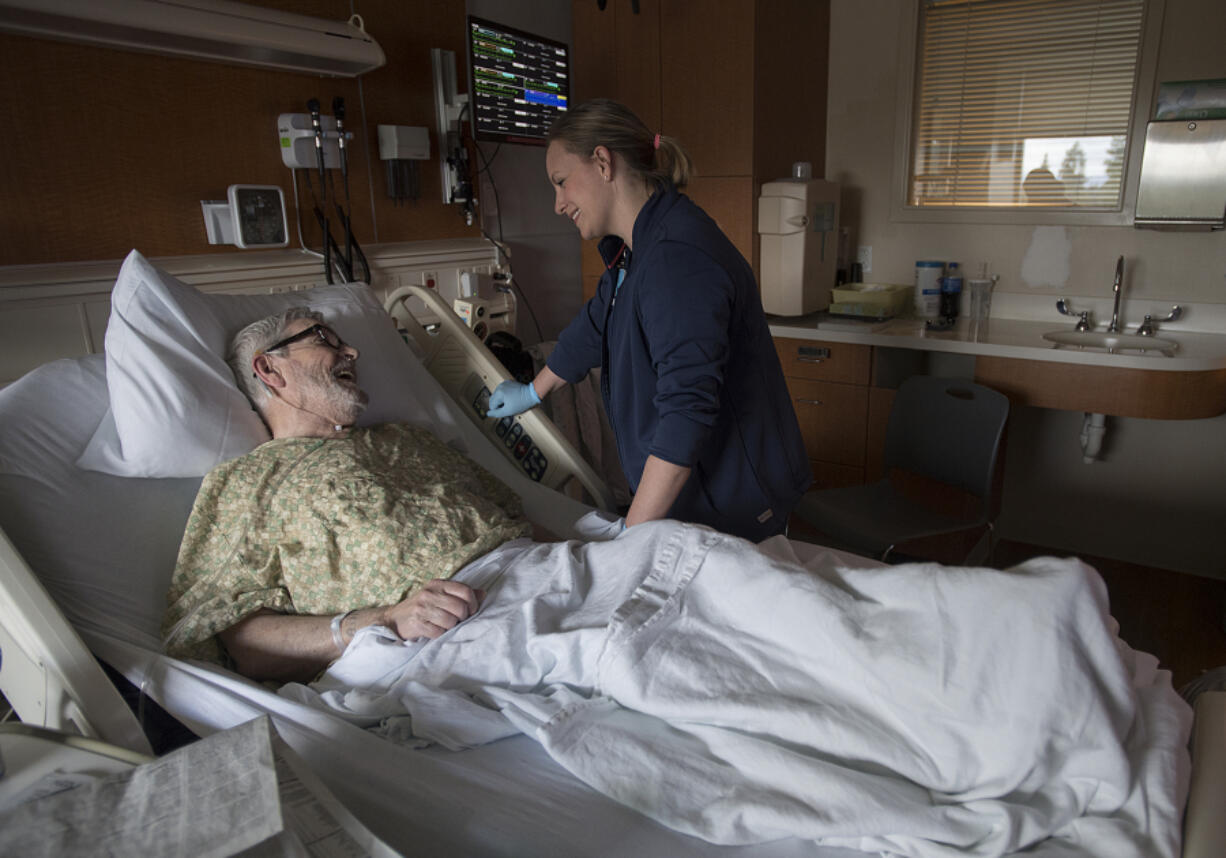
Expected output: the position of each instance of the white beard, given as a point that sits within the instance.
(338, 401)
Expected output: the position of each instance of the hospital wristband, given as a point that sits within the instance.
(338, 637)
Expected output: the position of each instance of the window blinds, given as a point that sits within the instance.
(1023, 102)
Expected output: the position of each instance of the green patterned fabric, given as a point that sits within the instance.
(314, 526)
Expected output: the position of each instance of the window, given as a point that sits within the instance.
(1023, 104)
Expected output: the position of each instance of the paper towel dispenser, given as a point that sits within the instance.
(1183, 175)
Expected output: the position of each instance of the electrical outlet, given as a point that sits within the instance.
(864, 256)
(429, 279)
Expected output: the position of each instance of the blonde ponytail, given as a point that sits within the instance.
(672, 163)
(658, 159)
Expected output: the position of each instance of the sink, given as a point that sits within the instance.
(1117, 342)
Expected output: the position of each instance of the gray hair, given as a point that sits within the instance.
(254, 339)
(659, 160)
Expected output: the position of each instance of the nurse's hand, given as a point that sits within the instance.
(511, 398)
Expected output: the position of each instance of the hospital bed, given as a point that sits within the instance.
(86, 558)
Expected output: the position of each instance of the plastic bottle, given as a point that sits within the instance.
(951, 291)
(928, 288)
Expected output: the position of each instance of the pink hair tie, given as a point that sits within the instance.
(656, 145)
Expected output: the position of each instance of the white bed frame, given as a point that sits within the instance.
(49, 675)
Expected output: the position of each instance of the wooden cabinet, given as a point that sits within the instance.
(741, 83)
(829, 385)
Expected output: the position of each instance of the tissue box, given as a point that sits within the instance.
(874, 300)
(1191, 99)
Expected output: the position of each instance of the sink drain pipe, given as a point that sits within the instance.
(1093, 428)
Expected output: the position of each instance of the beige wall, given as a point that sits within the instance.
(1158, 497)
(860, 153)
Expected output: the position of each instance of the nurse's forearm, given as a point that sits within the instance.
(659, 487)
(547, 381)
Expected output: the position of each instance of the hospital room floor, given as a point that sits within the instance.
(1179, 618)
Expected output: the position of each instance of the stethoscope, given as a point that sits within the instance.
(621, 262)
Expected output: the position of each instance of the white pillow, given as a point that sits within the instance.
(175, 409)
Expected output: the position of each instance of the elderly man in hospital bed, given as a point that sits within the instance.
(328, 527)
(726, 689)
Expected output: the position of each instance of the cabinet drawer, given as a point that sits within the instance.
(849, 363)
(833, 419)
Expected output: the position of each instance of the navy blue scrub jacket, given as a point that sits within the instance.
(689, 372)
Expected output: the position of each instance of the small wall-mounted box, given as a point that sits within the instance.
(296, 134)
(250, 216)
(403, 143)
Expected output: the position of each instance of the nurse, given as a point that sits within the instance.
(691, 381)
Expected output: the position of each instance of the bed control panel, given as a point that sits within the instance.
(469, 372)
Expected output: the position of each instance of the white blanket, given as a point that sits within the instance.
(731, 692)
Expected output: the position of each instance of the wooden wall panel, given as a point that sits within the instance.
(790, 86)
(594, 66)
(617, 54)
(638, 60)
(730, 203)
(707, 74)
(109, 150)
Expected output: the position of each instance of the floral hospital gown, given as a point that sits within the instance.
(321, 526)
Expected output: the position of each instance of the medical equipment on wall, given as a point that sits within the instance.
(798, 220)
(449, 109)
(316, 143)
(250, 216)
(400, 148)
(484, 306)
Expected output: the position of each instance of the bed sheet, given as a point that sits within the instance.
(733, 693)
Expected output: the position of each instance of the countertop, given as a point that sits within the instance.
(1016, 336)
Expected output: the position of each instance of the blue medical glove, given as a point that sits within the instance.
(511, 398)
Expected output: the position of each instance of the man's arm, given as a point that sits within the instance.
(267, 645)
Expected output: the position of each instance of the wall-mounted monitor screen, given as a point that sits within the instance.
(520, 82)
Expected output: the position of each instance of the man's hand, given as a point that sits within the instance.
(290, 647)
(438, 606)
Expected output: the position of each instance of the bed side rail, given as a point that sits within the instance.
(469, 372)
(47, 674)
(1204, 829)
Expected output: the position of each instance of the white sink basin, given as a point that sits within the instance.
(1112, 342)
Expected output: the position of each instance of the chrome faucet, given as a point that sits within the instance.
(1114, 327)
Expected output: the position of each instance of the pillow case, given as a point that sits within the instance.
(175, 410)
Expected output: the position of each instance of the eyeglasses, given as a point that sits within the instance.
(327, 337)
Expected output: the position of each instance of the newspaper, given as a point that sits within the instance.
(239, 792)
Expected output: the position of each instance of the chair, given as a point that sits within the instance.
(942, 435)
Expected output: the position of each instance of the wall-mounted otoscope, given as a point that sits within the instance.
(311, 142)
(321, 208)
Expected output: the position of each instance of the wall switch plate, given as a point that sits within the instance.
(864, 256)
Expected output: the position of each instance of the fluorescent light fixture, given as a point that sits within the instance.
(218, 30)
